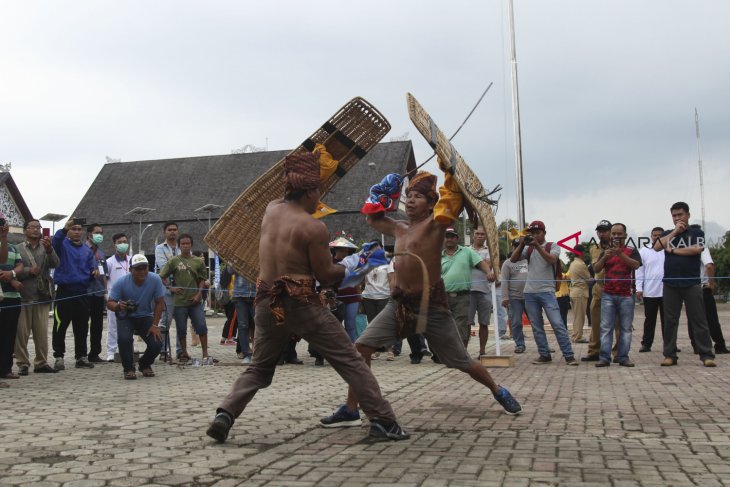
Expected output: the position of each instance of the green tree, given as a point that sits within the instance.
(503, 228)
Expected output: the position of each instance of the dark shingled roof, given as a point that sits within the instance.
(176, 187)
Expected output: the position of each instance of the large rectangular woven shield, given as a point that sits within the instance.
(348, 136)
(469, 183)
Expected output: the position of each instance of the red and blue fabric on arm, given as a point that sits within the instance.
(384, 195)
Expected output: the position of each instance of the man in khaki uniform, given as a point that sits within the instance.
(579, 279)
(603, 232)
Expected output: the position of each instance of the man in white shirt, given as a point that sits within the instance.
(649, 288)
(118, 265)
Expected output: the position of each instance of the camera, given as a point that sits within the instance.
(529, 239)
(131, 306)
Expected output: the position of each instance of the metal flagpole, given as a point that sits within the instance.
(699, 163)
(516, 122)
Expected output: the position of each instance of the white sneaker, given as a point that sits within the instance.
(110, 358)
(207, 361)
(59, 365)
(246, 360)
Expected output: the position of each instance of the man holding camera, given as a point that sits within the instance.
(131, 298)
(540, 292)
(73, 275)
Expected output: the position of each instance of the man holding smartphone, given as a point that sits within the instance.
(617, 301)
(76, 270)
(36, 293)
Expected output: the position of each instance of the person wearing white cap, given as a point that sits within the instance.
(340, 248)
(138, 299)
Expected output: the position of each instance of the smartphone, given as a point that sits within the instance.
(46, 232)
(2, 222)
(80, 221)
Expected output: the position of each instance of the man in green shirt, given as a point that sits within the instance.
(457, 263)
(9, 307)
(189, 276)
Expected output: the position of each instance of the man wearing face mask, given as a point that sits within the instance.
(118, 266)
(97, 289)
(76, 270)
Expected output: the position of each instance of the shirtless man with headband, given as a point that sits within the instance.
(421, 235)
(293, 252)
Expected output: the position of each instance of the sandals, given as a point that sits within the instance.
(130, 375)
(147, 372)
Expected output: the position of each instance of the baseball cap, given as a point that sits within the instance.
(536, 225)
(603, 224)
(452, 231)
(138, 259)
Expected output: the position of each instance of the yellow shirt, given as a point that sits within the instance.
(563, 290)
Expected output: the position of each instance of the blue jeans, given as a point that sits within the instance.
(196, 313)
(516, 309)
(244, 317)
(126, 329)
(534, 304)
(623, 306)
(351, 320)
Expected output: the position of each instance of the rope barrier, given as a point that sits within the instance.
(552, 281)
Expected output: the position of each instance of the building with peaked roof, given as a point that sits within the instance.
(13, 206)
(175, 188)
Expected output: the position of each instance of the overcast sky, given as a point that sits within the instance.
(607, 92)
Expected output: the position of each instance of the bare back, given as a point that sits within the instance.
(295, 244)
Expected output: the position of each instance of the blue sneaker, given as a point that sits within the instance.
(509, 403)
(342, 417)
(387, 430)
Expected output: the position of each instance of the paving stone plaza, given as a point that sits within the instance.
(581, 426)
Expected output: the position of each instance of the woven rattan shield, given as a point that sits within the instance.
(348, 136)
(469, 183)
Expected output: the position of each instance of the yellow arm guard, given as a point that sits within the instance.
(450, 203)
(327, 165)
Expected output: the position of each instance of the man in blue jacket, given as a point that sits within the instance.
(72, 276)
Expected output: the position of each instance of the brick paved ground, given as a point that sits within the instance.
(646, 426)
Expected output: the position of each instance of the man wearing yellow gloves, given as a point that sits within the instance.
(418, 241)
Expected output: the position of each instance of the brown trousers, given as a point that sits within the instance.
(33, 319)
(319, 327)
